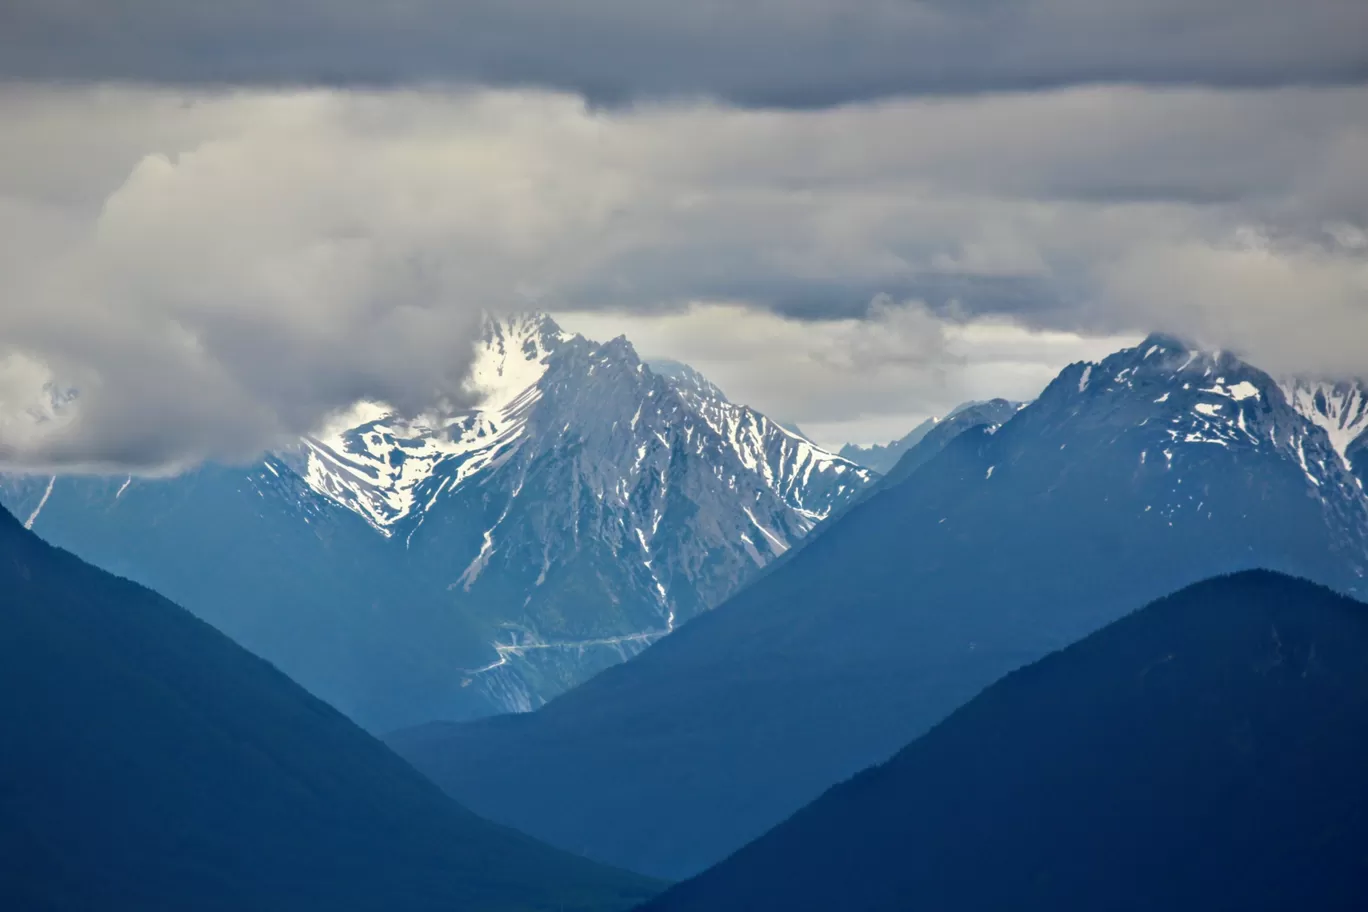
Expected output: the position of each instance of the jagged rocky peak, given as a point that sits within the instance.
(1155, 362)
(687, 380)
(1179, 373)
(386, 466)
(519, 329)
(380, 463)
(807, 477)
(649, 502)
(584, 506)
(1175, 367)
(512, 355)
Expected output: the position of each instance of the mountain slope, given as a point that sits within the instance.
(1204, 753)
(409, 568)
(286, 573)
(1125, 480)
(899, 459)
(991, 414)
(883, 456)
(987, 416)
(807, 478)
(147, 762)
(1341, 409)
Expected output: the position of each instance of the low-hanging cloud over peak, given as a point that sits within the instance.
(216, 271)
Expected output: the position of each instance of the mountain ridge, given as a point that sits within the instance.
(1126, 479)
(881, 457)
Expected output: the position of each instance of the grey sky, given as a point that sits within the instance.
(218, 261)
(799, 53)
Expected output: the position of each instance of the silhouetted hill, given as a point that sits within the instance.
(1205, 753)
(148, 763)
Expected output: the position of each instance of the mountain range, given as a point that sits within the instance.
(407, 568)
(1128, 478)
(881, 457)
(148, 762)
(990, 415)
(418, 567)
(1204, 753)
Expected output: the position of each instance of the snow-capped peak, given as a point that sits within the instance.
(512, 356)
(390, 467)
(1184, 397)
(382, 464)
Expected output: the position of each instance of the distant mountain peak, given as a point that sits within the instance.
(1176, 402)
(885, 458)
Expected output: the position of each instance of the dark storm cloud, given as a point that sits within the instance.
(791, 53)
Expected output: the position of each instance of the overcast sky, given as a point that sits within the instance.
(223, 221)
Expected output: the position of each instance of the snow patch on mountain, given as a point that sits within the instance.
(47, 492)
(380, 464)
(1340, 409)
(806, 477)
(1213, 399)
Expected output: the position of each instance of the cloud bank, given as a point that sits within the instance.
(218, 271)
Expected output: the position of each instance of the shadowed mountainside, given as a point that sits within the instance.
(1205, 753)
(147, 762)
